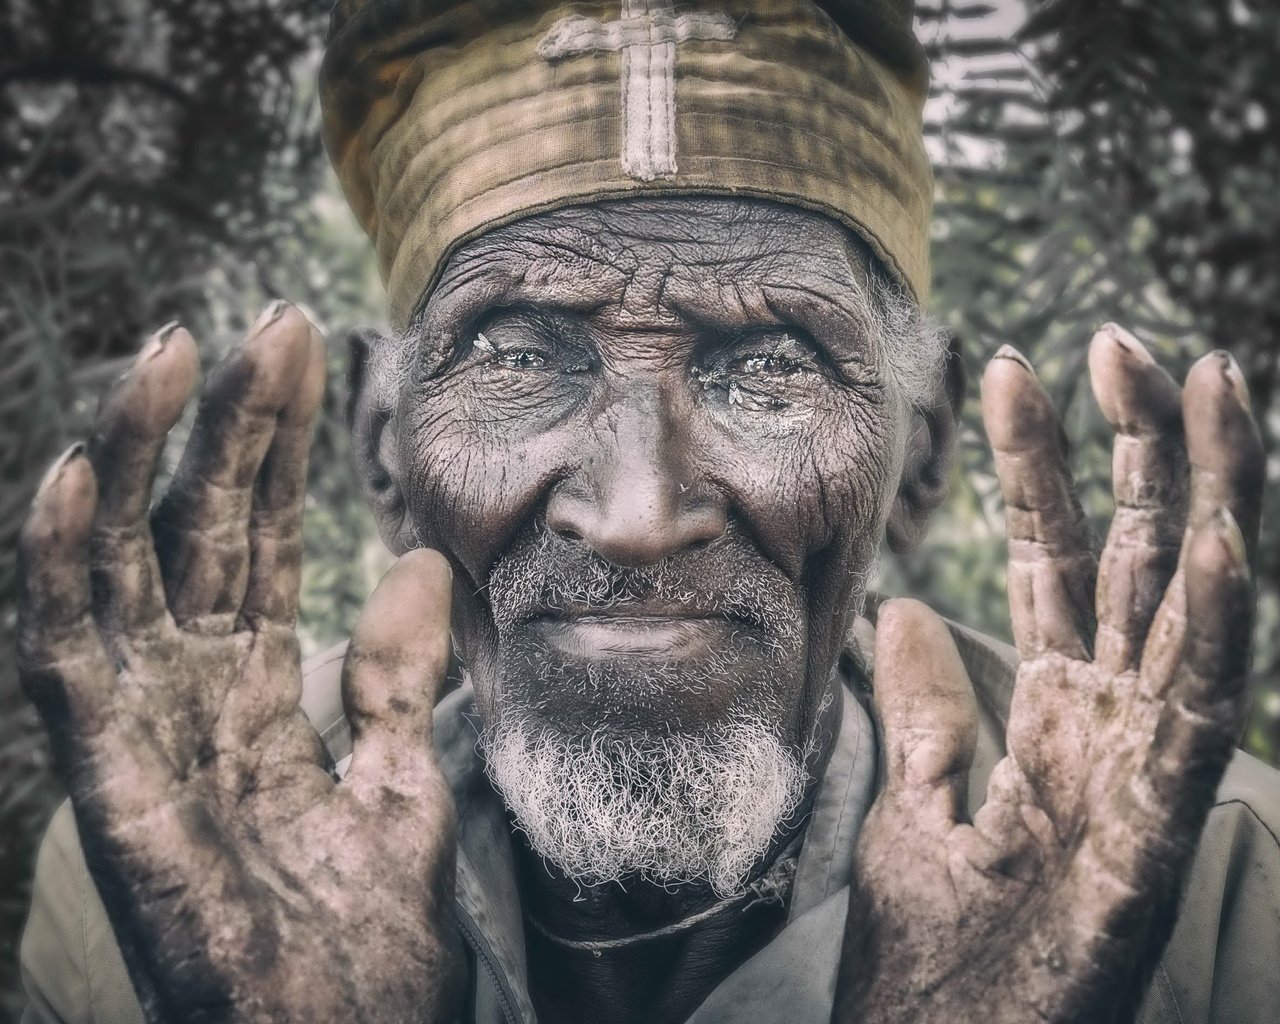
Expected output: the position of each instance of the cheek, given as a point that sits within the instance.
(815, 481)
(818, 491)
(473, 472)
(861, 466)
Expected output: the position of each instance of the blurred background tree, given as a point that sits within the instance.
(1097, 160)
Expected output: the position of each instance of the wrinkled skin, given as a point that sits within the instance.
(598, 418)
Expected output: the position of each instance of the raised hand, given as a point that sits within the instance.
(1053, 902)
(243, 882)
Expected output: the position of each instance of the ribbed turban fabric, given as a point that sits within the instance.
(448, 118)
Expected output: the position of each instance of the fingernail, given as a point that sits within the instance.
(1235, 377)
(1127, 342)
(157, 342)
(60, 464)
(268, 317)
(1229, 531)
(1011, 353)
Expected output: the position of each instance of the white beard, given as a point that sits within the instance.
(668, 808)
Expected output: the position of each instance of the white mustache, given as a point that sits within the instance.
(548, 575)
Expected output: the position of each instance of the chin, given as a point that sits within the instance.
(666, 765)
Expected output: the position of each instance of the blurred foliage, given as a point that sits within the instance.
(160, 159)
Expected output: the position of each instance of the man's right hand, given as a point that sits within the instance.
(242, 881)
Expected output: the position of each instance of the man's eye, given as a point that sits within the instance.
(772, 373)
(522, 359)
(770, 364)
(514, 358)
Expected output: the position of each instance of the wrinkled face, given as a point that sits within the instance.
(657, 442)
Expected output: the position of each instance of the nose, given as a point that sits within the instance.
(635, 498)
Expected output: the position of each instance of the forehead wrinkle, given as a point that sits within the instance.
(505, 276)
(640, 266)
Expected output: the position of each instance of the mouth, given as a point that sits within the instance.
(648, 629)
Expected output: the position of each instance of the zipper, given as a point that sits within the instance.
(471, 933)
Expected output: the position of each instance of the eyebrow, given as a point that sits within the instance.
(838, 323)
(829, 322)
(834, 325)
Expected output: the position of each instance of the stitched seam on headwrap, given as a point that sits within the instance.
(664, 160)
(648, 79)
(576, 36)
(628, 110)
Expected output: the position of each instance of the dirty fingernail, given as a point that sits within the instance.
(156, 343)
(268, 317)
(1235, 377)
(1011, 353)
(1229, 531)
(1124, 340)
(60, 464)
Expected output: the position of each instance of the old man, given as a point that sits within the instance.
(622, 736)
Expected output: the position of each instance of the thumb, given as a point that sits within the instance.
(927, 711)
(396, 663)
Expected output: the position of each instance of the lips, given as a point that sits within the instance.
(645, 628)
(566, 598)
(593, 637)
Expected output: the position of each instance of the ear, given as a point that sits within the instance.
(370, 413)
(930, 454)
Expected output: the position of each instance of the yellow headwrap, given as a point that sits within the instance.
(447, 119)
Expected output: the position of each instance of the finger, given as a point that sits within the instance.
(202, 524)
(1164, 804)
(275, 524)
(1051, 561)
(1228, 465)
(64, 668)
(1204, 689)
(397, 661)
(927, 710)
(129, 435)
(1149, 478)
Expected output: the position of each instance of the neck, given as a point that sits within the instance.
(642, 951)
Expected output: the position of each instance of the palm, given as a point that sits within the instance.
(1052, 901)
(225, 850)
